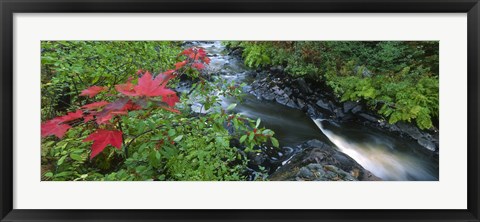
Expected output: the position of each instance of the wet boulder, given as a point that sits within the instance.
(319, 172)
(317, 160)
(325, 105)
(369, 117)
(303, 86)
(286, 101)
(410, 130)
(300, 103)
(352, 107)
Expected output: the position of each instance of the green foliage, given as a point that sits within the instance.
(71, 66)
(158, 144)
(256, 55)
(398, 79)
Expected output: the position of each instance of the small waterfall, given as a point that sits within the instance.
(379, 156)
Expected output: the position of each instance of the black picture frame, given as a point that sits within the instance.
(9, 7)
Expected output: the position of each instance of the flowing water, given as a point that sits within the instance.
(386, 156)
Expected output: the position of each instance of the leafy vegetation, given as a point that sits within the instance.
(105, 117)
(397, 79)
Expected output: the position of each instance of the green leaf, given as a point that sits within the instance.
(178, 138)
(243, 138)
(231, 106)
(171, 132)
(267, 132)
(274, 142)
(48, 174)
(250, 137)
(258, 123)
(60, 161)
(76, 157)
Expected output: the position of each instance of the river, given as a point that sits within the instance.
(387, 156)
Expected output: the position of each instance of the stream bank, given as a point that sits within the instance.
(318, 101)
(306, 119)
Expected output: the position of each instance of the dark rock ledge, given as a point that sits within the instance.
(319, 102)
(318, 161)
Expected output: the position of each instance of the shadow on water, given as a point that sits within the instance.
(388, 157)
(291, 126)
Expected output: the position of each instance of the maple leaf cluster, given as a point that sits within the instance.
(196, 56)
(131, 97)
(59, 125)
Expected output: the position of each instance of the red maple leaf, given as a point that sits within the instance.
(88, 118)
(150, 87)
(171, 98)
(112, 109)
(169, 72)
(206, 60)
(194, 53)
(70, 116)
(147, 86)
(101, 138)
(179, 65)
(163, 78)
(54, 127)
(95, 105)
(127, 89)
(131, 106)
(105, 117)
(198, 66)
(92, 91)
(188, 52)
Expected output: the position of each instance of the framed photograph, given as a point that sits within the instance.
(265, 110)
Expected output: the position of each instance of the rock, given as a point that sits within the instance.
(318, 172)
(305, 172)
(278, 91)
(261, 92)
(324, 105)
(300, 103)
(410, 130)
(315, 143)
(286, 101)
(288, 91)
(311, 111)
(348, 106)
(316, 160)
(297, 92)
(369, 117)
(339, 113)
(302, 86)
(427, 144)
(268, 96)
(256, 160)
(356, 109)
